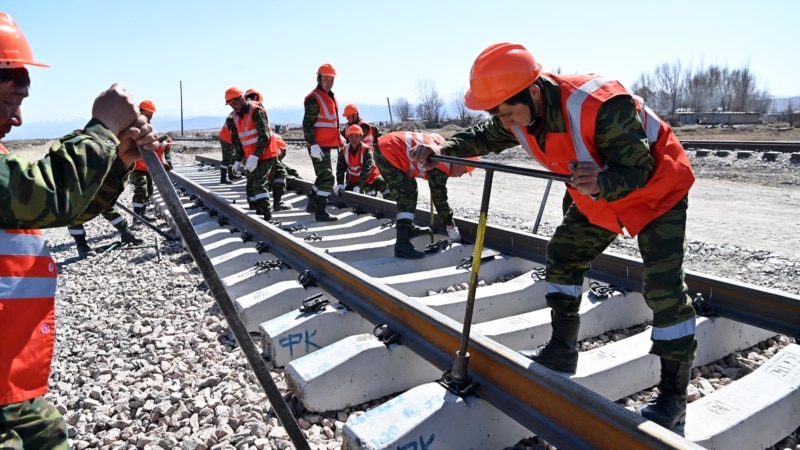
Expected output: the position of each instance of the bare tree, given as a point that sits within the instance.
(668, 86)
(429, 109)
(463, 115)
(402, 108)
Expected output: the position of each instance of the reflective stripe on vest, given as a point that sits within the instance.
(26, 268)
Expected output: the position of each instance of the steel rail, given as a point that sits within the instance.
(775, 146)
(561, 411)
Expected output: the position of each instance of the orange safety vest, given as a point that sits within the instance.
(141, 166)
(396, 146)
(225, 135)
(369, 132)
(581, 97)
(28, 278)
(326, 128)
(248, 134)
(354, 161)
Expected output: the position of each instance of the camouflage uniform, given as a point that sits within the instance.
(576, 242)
(405, 190)
(229, 153)
(143, 182)
(34, 423)
(323, 169)
(79, 165)
(256, 188)
(378, 185)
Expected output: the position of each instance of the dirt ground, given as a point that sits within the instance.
(751, 203)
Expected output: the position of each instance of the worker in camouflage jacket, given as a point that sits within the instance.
(140, 177)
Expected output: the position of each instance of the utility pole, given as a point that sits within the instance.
(391, 122)
(181, 88)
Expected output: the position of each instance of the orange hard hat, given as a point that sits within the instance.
(147, 105)
(232, 94)
(354, 129)
(350, 109)
(326, 69)
(251, 91)
(15, 53)
(498, 73)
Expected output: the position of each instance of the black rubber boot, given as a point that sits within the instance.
(84, 251)
(223, 176)
(420, 231)
(277, 195)
(561, 353)
(321, 214)
(311, 206)
(141, 211)
(669, 409)
(403, 248)
(126, 236)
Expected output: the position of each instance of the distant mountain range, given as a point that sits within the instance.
(378, 114)
(283, 116)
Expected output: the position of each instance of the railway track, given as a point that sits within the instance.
(347, 323)
(762, 146)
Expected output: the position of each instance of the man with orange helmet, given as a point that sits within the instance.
(140, 177)
(276, 178)
(321, 132)
(79, 173)
(251, 136)
(629, 173)
(371, 132)
(358, 162)
(400, 174)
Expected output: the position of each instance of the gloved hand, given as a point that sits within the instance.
(167, 166)
(356, 190)
(338, 189)
(251, 163)
(236, 166)
(316, 152)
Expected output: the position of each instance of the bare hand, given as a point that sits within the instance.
(139, 134)
(584, 177)
(115, 108)
(421, 152)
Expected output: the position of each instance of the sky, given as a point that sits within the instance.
(183, 55)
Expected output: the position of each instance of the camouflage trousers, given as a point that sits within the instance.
(256, 187)
(662, 244)
(142, 188)
(323, 169)
(111, 214)
(228, 157)
(32, 424)
(405, 189)
(278, 174)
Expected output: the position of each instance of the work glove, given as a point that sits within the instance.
(236, 166)
(167, 166)
(356, 190)
(316, 152)
(251, 163)
(338, 189)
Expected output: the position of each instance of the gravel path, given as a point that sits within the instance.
(145, 360)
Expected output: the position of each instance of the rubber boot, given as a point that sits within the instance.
(84, 251)
(561, 353)
(420, 231)
(141, 211)
(126, 236)
(321, 214)
(403, 248)
(223, 176)
(277, 195)
(311, 206)
(669, 409)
